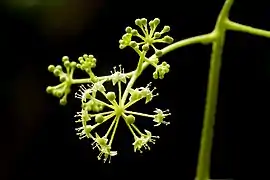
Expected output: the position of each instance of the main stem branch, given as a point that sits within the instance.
(204, 159)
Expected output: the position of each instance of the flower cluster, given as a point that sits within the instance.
(98, 106)
(149, 37)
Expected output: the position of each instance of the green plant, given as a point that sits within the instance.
(90, 103)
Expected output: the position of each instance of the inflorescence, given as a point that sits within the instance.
(95, 111)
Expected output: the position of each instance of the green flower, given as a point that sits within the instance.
(142, 142)
(105, 150)
(160, 115)
(147, 93)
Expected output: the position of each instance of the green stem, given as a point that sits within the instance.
(114, 130)
(103, 103)
(103, 113)
(246, 29)
(206, 38)
(137, 129)
(140, 114)
(119, 92)
(204, 159)
(197, 39)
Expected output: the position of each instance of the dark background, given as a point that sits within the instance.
(38, 139)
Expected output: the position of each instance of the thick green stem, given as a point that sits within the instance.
(203, 167)
(204, 159)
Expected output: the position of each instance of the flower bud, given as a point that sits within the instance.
(166, 29)
(99, 118)
(138, 22)
(63, 101)
(130, 119)
(156, 21)
(145, 47)
(128, 29)
(110, 96)
(144, 21)
(157, 35)
(51, 68)
(158, 53)
(65, 58)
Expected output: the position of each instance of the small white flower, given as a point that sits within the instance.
(98, 86)
(84, 115)
(118, 76)
(83, 93)
(84, 131)
(160, 115)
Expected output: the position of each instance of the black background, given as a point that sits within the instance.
(39, 140)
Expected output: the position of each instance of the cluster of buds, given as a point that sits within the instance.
(63, 89)
(86, 63)
(149, 38)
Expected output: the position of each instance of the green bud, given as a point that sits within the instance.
(57, 94)
(62, 78)
(144, 21)
(128, 29)
(134, 32)
(155, 60)
(158, 53)
(138, 22)
(152, 24)
(85, 56)
(110, 96)
(51, 68)
(99, 118)
(155, 75)
(121, 41)
(156, 21)
(130, 119)
(166, 29)
(80, 59)
(58, 67)
(126, 37)
(94, 61)
(63, 101)
(133, 44)
(145, 47)
(90, 56)
(66, 64)
(49, 89)
(56, 72)
(121, 46)
(73, 64)
(168, 39)
(79, 66)
(157, 35)
(65, 58)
